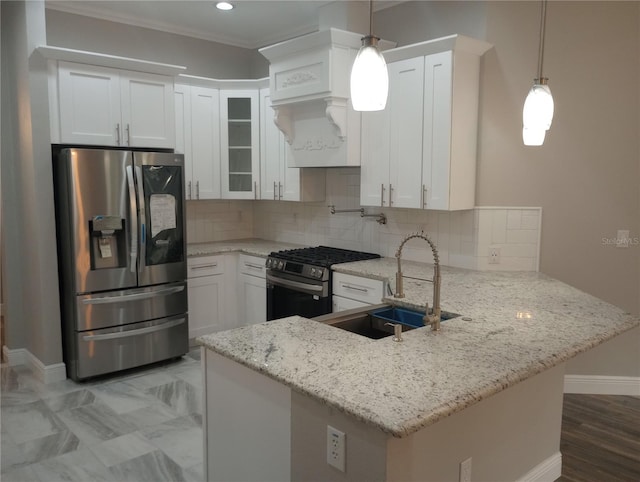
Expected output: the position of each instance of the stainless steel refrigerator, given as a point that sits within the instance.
(122, 258)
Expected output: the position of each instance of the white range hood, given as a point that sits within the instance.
(309, 88)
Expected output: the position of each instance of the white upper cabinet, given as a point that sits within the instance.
(279, 182)
(198, 138)
(239, 143)
(112, 107)
(420, 152)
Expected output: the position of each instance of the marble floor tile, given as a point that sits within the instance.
(122, 397)
(180, 439)
(194, 474)
(21, 474)
(190, 373)
(81, 466)
(148, 380)
(50, 446)
(121, 449)
(183, 397)
(95, 423)
(195, 353)
(10, 454)
(151, 467)
(151, 415)
(79, 398)
(30, 421)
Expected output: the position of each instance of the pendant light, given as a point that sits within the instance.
(369, 77)
(538, 106)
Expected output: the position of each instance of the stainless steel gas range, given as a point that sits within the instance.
(299, 280)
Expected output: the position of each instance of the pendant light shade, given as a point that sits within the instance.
(369, 77)
(537, 112)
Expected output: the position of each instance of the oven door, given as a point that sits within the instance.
(289, 295)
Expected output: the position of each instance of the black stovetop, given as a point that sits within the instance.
(322, 255)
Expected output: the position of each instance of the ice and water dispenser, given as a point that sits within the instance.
(108, 242)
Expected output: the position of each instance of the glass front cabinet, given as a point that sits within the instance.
(240, 143)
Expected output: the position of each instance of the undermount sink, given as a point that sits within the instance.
(371, 321)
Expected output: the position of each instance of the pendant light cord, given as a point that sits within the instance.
(543, 17)
(370, 18)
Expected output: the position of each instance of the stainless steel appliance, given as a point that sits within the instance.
(299, 280)
(122, 258)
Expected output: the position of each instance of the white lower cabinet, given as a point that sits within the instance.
(355, 291)
(210, 282)
(252, 290)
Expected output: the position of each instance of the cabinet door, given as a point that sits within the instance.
(374, 161)
(406, 80)
(89, 105)
(240, 145)
(182, 103)
(147, 110)
(437, 129)
(252, 300)
(271, 140)
(340, 304)
(205, 139)
(206, 302)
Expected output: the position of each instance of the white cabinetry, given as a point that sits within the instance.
(252, 290)
(211, 301)
(198, 138)
(355, 291)
(420, 152)
(279, 182)
(112, 107)
(239, 143)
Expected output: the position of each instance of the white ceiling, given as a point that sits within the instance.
(251, 24)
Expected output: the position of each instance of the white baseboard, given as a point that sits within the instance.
(45, 373)
(602, 385)
(546, 471)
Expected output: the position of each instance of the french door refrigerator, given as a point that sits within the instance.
(122, 258)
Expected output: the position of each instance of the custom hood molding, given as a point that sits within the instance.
(309, 88)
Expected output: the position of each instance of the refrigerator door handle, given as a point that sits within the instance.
(140, 331)
(132, 297)
(141, 209)
(133, 213)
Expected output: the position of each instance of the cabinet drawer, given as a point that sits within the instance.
(252, 265)
(205, 266)
(356, 288)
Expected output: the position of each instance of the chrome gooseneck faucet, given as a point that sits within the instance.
(432, 318)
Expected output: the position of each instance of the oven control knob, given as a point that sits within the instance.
(280, 265)
(268, 265)
(313, 271)
(319, 272)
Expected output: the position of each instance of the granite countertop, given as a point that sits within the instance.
(256, 247)
(403, 387)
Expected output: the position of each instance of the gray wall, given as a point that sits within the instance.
(201, 57)
(32, 307)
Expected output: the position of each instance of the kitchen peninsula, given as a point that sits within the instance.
(488, 386)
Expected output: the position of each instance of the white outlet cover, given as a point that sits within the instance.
(336, 448)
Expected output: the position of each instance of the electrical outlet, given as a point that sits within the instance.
(465, 470)
(494, 255)
(336, 448)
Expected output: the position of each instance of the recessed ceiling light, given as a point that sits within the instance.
(224, 6)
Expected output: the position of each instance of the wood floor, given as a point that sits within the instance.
(600, 439)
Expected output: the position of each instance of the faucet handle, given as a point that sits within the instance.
(397, 331)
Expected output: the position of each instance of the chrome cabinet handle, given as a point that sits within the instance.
(254, 266)
(118, 133)
(189, 184)
(255, 189)
(349, 287)
(280, 190)
(203, 266)
(128, 135)
(197, 189)
(390, 194)
(382, 195)
(274, 190)
(293, 284)
(424, 196)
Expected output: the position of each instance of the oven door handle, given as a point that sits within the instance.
(293, 284)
